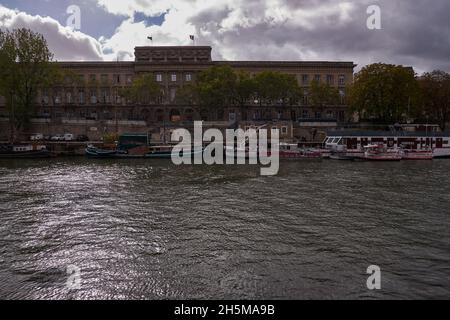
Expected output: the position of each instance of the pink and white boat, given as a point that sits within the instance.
(379, 152)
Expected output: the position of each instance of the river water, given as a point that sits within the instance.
(146, 229)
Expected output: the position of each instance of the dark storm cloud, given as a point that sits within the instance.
(413, 33)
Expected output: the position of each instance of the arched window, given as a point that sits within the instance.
(175, 115)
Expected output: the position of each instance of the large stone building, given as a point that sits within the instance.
(94, 106)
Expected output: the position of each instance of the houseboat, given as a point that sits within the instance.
(24, 151)
(415, 144)
(132, 146)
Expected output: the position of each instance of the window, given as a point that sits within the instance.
(342, 80)
(305, 114)
(305, 97)
(81, 96)
(305, 79)
(116, 79)
(69, 97)
(173, 93)
(105, 95)
(173, 78)
(159, 77)
(317, 78)
(129, 79)
(81, 78)
(284, 130)
(330, 80)
(188, 77)
(104, 78)
(92, 78)
(93, 97)
(318, 115)
(342, 95)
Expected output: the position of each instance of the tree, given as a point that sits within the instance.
(275, 87)
(435, 90)
(144, 90)
(322, 95)
(25, 68)
(384, 92)
(221, 86)
(244, 90)
(215, 88)
(187, 95)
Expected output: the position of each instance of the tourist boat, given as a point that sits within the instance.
(379, 152)
(24, 151)
(415, 138)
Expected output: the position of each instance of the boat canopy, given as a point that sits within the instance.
(362, 133)
(133, 139)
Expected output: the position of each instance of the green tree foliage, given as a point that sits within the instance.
(322, 94)
(384, 92)
(276, 88)
(144, 90)
(25, 68)
(215, 87)
(221, 86)
(187, 95)
(435, 90)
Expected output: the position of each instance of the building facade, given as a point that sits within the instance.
(93, 104)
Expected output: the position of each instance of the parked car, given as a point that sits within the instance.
(37, 137)
(82, 138)
(58, 137)
(69, 137)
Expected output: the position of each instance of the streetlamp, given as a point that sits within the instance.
(13, 118)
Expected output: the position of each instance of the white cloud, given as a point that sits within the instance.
(225, 24)
(263, 30)
(62, 41)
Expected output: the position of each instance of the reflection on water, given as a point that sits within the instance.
(150, 230)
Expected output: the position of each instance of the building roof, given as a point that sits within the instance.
(197, 55)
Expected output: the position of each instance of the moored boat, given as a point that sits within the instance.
(24, 151)
(293, 152)
(379, 152)
(412, 137)
(417, 154)
(166, 151)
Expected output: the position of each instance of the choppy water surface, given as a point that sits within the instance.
(150, 230)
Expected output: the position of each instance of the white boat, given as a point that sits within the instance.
(419, 143)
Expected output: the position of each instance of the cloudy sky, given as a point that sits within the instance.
(414, 32)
